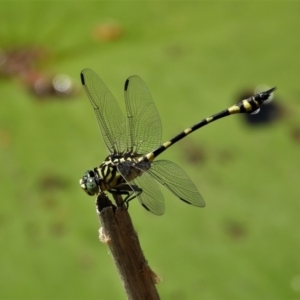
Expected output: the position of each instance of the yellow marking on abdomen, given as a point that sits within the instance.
(150, 156)
(188, 130)
(247, 105)
(167, 144)
(209, 119)
(234, 109)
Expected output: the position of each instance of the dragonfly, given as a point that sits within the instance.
(134, 142)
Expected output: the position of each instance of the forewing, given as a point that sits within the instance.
(112, 122)
(144, 125)
(171, 176)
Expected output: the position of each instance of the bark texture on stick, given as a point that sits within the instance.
(117, 231)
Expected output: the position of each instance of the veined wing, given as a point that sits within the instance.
(112, 122)
(151, 197)
(143, 119)
(171, 176)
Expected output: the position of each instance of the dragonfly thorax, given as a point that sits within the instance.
(115, 170)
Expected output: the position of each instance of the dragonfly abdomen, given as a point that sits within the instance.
(249, 105)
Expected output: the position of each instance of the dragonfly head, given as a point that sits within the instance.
(90, 182)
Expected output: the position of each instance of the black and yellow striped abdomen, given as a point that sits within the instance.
(249, 105)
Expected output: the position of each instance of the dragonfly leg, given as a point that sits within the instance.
(130, 192)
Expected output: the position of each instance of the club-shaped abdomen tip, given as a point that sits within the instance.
(273, 89)
(270, 93)
(267, 95)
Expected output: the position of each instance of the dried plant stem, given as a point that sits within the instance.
(118, 233)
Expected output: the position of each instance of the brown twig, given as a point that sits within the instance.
(118, 233)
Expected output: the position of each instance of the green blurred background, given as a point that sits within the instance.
(195, 57)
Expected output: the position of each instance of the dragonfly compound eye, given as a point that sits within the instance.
(89, 183)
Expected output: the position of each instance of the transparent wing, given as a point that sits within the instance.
(111, 121)
(176, 181)
(143, 119)
(151, 197)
